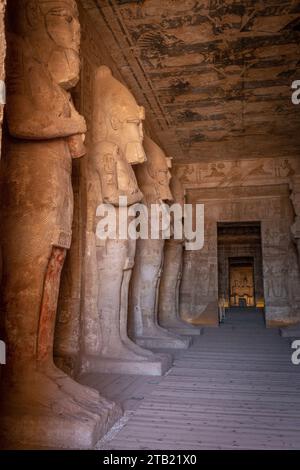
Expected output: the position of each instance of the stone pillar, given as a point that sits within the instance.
(2, 64)
(294, 331)
(2, 102)
(168, 304)
(153, 178)
(295, 198)
(40, 405)
(116, 144)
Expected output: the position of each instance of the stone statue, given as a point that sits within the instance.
(295, 198)
(116, 144)
(168, 304)
(40, 405)
(153, 178)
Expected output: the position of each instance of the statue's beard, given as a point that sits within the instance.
(64, 66)
(165, 193)
(134, 153)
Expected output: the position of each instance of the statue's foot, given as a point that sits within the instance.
(124, 352)
(137, 349)
(37, 412)
(156, 331)
(180, 324)
(87, 397)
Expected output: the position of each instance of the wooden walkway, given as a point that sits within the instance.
(235, 388)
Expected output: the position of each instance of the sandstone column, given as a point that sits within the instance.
(2, 102)
(40, 405)
(153, 179)
(168, 305)
(294, 331)
(2, 63)
(295, 197)
(116, 144)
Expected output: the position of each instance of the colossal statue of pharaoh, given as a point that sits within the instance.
(168, 304)
(40, 405)
(153, 178)
(116, 144)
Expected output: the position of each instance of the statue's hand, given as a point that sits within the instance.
(76, 145)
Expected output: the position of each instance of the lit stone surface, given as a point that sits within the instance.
(214, 78)
(153, 178)
(41, 405)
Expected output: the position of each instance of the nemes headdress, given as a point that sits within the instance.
(25, 15)
(115, 100)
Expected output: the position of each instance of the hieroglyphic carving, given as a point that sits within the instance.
(238, 173)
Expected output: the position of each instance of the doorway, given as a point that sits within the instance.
(240, 270)
(241, 282)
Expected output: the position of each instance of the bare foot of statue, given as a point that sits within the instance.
(124, 352)
(47, 408)
(137, 349)
(86, 397)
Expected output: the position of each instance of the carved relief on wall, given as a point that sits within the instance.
(237, 173)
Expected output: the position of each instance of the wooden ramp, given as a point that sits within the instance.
(235, 388)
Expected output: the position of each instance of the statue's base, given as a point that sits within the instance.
(290, 332)
(185, 330)
(59, 425)
(181, 328)
(157, 365)
(167, 341)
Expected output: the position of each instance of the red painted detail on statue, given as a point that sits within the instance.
(49, 305)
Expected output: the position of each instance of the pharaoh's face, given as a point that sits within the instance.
(133, 136)
(63, 30)
(134, 148)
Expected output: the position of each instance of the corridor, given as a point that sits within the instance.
(235, 388)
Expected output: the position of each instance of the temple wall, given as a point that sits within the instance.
(243, 191)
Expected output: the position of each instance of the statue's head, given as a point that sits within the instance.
(52, 27)
(158, 166)
(117, 116)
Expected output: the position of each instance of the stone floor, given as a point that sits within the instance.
(235, 388)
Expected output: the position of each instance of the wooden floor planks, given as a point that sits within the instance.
(235, 388)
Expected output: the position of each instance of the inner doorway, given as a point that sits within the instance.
(240, 268)
(241, 282)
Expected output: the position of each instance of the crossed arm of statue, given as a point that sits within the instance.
(114, 174)
(39, 109)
